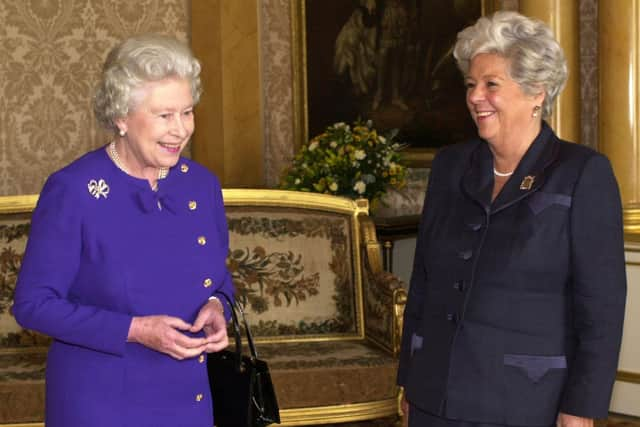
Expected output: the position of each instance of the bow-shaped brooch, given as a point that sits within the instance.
(98, 188)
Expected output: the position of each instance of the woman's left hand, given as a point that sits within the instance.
(566, 420)
(211, 320)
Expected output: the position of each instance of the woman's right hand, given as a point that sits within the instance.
(163, 334)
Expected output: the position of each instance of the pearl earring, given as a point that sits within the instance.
(122, 132)
(536, 111)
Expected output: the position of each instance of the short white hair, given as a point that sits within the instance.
(535, 57)
(136, 61)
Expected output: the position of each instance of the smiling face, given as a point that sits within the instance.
(158, 127)
(498, 106)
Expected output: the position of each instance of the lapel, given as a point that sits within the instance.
(477, 181)
(526, 179)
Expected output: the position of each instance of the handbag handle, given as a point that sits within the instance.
(235, 308)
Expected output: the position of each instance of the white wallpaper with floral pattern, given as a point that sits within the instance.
(51, 52)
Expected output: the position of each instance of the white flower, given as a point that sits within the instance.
(313, 145)
(333, 144)
(360, 154)
(333, 186)
(297, 181)
(339, 125)
(360, 187)
(382, 139)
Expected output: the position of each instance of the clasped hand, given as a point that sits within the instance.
(166, 333)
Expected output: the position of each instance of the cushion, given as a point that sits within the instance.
(22, 386)
(340, 372)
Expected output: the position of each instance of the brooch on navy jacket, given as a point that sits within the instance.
(98, 188)
(527, 182)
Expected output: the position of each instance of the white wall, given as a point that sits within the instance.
(626, 395)
(403, 251)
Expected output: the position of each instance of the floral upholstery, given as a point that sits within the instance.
(293, 271)
(14, 230)
(308, 273)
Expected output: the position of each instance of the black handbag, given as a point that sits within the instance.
(241, 387)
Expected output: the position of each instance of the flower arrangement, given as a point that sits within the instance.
(353, 161)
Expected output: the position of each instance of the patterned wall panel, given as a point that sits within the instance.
(277, 75)
(50, 55)
(589, 72)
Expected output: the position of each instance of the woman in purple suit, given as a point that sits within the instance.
(127, 254)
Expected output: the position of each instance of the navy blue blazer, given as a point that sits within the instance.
(516, 306)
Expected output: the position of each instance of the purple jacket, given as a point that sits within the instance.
(103, 248)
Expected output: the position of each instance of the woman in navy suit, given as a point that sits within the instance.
(126, 255)
(517, 296)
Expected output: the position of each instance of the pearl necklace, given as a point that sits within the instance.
(113, 154)
(502, 174)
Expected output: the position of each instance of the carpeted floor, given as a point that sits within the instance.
(613, 421)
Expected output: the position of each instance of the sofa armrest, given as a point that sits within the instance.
(384, 294)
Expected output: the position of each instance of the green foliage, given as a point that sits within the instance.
(352, 161)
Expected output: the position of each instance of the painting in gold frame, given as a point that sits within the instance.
(385, 60)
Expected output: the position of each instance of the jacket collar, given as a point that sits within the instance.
(530, 174)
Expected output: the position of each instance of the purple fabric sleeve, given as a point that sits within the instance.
(50, 264)
(226, 287)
